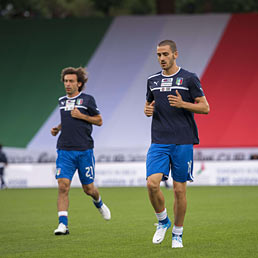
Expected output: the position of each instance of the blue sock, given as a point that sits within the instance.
(98, 203)
(174, 235)
(64, 220)
(164, 221)
(63, 217)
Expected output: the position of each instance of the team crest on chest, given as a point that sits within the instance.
(179, 81)
(79, 101)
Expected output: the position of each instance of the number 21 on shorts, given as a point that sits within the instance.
(89, 172)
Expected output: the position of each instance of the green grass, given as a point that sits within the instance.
(220, 222)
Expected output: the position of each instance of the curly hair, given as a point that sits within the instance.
(81, 73)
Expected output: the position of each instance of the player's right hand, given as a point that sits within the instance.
(149, 108)
(54, 131)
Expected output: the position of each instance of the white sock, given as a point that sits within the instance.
(177, 230)
(97, 200)
(63, 213)
(162, 215)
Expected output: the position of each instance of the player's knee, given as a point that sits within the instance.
(179, 192)
(152, 186)
(63, 188)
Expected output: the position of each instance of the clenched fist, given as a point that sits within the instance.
(149, 108)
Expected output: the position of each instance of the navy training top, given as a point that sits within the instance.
(76, 133)
(3, 160)
(171, 125)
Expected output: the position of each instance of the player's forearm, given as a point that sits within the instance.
(95, 120)
(198, 108)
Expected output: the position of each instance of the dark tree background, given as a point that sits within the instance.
(10, 9)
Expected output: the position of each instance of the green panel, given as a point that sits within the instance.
(32, 54)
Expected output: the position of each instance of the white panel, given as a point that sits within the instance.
(196, 37)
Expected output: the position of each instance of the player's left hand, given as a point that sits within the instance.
(75, 113)
(175, 101)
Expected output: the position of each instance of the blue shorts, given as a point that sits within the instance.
(68, 161)
(162, 158)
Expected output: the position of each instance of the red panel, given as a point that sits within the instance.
(230, 83)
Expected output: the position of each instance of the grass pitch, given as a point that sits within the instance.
(220, 222)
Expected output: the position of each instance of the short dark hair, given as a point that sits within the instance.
(81, 73)
(170, 43)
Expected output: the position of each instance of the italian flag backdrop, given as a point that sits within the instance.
(119, 55)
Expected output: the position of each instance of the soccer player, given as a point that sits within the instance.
(3, 164)
(75, 144)
(173, 95)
